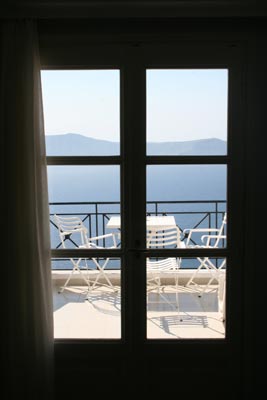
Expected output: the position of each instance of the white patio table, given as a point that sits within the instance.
(154, 222)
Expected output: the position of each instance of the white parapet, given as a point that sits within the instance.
(60, 276)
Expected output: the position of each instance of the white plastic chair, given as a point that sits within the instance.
(164, 238)
(158, 270)
(212, 238)
(72, 229)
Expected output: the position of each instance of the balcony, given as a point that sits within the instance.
(79, 313)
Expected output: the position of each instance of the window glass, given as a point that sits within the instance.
(191, 196)
(91, 193)
(82, 112)
(186, 298)
(88, 306)
(187, 111)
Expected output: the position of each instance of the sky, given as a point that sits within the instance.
(182, 105)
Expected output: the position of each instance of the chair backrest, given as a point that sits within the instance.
(220, 235)
(163, 238)
(165, 264)
(68, 226)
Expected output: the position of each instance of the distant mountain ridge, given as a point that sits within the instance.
(73, 144)
(78, 145)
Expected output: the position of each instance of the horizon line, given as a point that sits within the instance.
(110, 141)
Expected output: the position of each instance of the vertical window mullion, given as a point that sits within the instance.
(134, 185)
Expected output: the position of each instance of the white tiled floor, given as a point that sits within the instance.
(99, 316)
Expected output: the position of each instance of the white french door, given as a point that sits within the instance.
(177, 156)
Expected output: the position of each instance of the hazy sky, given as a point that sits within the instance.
(181, 104)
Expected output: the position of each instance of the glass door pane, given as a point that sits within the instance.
(89, 305)
(89, 192)
(186, 298)
(82, 118)
(194, 195)
(82, 112)
(187, 111)
(186, 203)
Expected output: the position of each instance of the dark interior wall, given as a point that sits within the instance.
(133, 8)
(252, 33)
(255, 131)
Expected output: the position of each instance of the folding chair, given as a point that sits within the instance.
(72, 229)
(211, 239)
(92, 244)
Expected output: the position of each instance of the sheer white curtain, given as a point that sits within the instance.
(27, 276)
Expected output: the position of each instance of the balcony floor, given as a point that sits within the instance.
(75, 316)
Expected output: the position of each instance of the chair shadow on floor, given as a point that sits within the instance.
(106, 302)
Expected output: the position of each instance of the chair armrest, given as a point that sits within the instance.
(101, 236)
(188, 232)
(210, 237)
(214, 236)
(201, 230)
(107, 235)
(71, 231)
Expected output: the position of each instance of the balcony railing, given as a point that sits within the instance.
(95, 215)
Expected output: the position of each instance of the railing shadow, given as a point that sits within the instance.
(188, 302)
